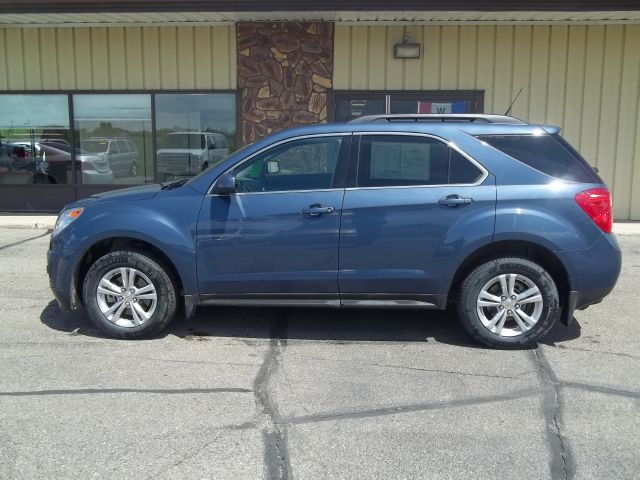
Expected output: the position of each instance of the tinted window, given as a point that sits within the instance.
(462, 170)
(396, 160)
(108, 120)
(123, 146)
(549, 154)
(307, 164)
(28, 124)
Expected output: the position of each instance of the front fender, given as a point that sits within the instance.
(168, 223)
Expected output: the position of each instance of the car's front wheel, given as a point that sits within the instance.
(508, 303)
(129, 294)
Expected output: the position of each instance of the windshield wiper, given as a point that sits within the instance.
(173, 184)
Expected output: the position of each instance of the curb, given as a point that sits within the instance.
(28, 221)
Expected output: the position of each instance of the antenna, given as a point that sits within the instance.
(514, 101)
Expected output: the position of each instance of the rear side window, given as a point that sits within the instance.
(403, 160)
(549, 154)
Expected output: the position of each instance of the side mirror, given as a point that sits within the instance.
(225, 185)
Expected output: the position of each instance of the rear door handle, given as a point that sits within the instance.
(316, 210)
(453, 201)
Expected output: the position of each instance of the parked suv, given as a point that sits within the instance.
(502, 220)
(119, 155)
(183, 154)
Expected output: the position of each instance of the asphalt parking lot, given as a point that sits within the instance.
(305, 394)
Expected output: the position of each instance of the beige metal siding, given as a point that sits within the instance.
(117, 58)
(585, 79)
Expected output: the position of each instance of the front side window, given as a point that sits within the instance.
(306, 164)
(103, 121)
(401, 160)
(35, 139)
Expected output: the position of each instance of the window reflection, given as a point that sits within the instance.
(113, 132)
(35, 139)
(349, 108)
(193, 132)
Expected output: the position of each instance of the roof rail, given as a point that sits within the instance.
(431, 117)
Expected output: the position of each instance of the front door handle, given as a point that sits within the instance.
(316, 210)
(453, 201)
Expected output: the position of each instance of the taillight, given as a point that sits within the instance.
(596, 203)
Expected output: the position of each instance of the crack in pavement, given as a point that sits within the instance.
(453, 372)
(15, 244)
(561, 464)
(276, 456)
(93, 391)
(399, 409)
(604, 352)
(184, 458)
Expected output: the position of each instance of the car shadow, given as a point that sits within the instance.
(305, 324)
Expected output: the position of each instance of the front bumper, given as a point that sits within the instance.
(60, 268)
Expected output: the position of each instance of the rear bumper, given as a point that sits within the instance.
(593, 273)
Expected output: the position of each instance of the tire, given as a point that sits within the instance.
(527, 318)
(149, 309)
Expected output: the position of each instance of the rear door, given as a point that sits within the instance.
(417, 206)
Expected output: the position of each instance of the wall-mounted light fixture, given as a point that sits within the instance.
(406, 49)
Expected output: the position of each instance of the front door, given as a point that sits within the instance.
(279, 233)
(417, 207)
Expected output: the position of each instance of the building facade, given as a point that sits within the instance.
(102, 95)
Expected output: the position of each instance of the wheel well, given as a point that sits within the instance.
(534, 252)
(107, 245)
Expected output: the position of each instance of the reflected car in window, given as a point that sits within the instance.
(117, 154)
(183, 154)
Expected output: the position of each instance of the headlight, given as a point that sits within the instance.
(66, 218)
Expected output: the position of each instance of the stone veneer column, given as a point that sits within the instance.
(284, 72)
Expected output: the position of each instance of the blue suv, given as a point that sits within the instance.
(500, 219)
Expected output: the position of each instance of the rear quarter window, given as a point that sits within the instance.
(549, 154)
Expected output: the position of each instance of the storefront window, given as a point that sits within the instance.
(429, 105)
(114, 140)
(35, 139)
(351, 105)
(193, 132)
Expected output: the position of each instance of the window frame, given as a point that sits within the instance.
(354, 172)
(348, 137)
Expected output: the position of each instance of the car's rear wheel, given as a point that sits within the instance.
(508, 303)
(129, 294)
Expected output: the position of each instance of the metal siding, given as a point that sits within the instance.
(117, 58)
(65, 49)
(4, 70)
(585, 79)
(49, 59)
(186, 63)
(449, 72)
(31, 45)
(134, 62)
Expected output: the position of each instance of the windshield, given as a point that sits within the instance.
(94, 146)
(187, 141)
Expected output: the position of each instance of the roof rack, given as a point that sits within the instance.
(431, 117)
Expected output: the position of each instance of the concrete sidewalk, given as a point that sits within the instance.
(48, 221)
